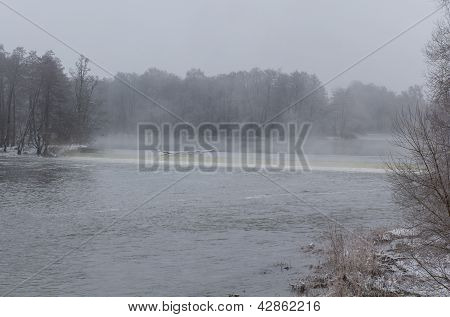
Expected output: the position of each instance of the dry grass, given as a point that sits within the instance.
(353, 267)
(353, 263)
(378, 263)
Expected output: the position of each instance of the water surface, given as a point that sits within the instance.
(209, 235)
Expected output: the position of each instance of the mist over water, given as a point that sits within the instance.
(366, 145)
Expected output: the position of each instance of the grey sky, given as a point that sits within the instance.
(317, 36)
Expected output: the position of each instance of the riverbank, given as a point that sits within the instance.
(53, 150)
(376, 264)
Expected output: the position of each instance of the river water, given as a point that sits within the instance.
(211, 234)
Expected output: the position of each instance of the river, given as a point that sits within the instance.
(211, 234)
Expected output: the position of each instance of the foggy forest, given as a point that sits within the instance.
(42, 104)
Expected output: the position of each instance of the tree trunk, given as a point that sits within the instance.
(2, 118)
(6, 142)
(13, 125)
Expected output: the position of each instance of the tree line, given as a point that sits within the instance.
(254, 96)
(41, 104)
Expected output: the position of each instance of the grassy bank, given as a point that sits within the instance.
(377, 263)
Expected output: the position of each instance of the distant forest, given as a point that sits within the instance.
(41, 103)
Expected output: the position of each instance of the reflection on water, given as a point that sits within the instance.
(210, 235)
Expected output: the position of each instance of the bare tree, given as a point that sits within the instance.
(52, 97)
(32, 90)
(2, 93)
(84, 89)
(420, 173)
(13, 72)
(420, 178)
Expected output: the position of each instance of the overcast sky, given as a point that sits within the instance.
(217, 36)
